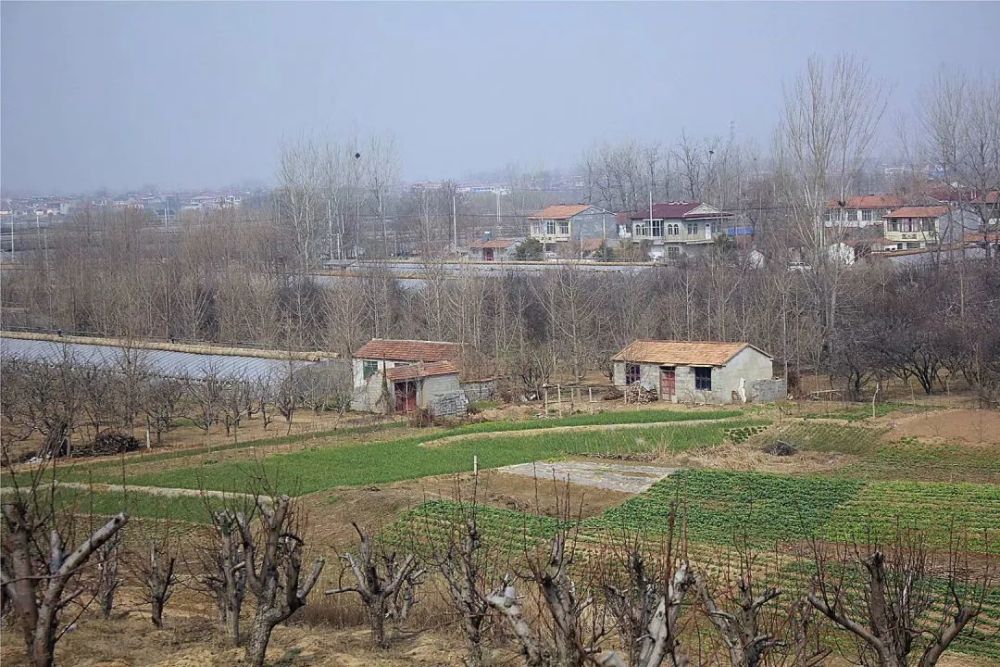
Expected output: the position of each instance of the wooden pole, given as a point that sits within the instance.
(590, 399)
(546, 401)
(559, 398)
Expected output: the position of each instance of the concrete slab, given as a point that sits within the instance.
(612, 476)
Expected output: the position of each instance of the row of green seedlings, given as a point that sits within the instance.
(514, 532)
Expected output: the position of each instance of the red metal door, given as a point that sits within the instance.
(667, 381)
(406, 397)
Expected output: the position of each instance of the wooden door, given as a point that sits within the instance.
(668, 379)
(488, 254)
(406, 397)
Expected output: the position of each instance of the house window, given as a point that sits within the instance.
(369, 368)
(703, 379)
(550, 227)
(564, 227)
(631, 373)
(673, 229)
(673, 252)
(656, 227)
(692, 229)
(867, 215)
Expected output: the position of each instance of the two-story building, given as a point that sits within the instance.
(911, 227)
(861, 211)
(562, 227)
(677, 228)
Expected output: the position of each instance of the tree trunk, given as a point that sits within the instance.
(376, 619)
(260, 635)
(157, 614)
(474, 639)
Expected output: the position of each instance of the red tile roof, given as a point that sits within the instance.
(919, 212)
(420, 370)
(494, 243)
(681, 353)
(676, 210)
(559, 212)
(869, 202)
(409, 350)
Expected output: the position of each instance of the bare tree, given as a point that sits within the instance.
(462, 559)
(225, 562)
(38, 567)
(108, 579)
(897, 609)
(646, 608)
(383, 581)
(273, 567)
(832, 112)
(571, 632)
(155, 573)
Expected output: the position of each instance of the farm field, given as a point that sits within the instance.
(849, 475)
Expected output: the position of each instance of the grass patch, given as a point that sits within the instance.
(316, 469)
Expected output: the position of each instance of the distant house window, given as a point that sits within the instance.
(673, 229)
(564, 227)
(369, 368)
(703, 379)
(673, 252)
(867, 215)
(631, 373)
(550, 227)
(692, 228)
(656, 228)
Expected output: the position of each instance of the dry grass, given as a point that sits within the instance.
(750, 458)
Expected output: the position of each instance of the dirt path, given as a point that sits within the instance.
(447, 440)
(150, 490)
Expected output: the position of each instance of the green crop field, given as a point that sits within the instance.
(378, 463)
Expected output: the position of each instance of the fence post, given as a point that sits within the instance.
(559, 398)
(546, 402)
(590, 399)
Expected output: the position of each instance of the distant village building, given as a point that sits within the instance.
(494, 250)
(400, 376)
(699, 371)
(861, 211)
(676, 228)
(911, 227)
(558, 227)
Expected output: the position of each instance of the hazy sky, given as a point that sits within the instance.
(187, 95)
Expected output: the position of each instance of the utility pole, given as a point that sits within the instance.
(329, 230)
(454, 224)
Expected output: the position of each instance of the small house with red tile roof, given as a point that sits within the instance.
(676, 228)
(861, 211)
(699, 371)
(555, 227)
(401, 376)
